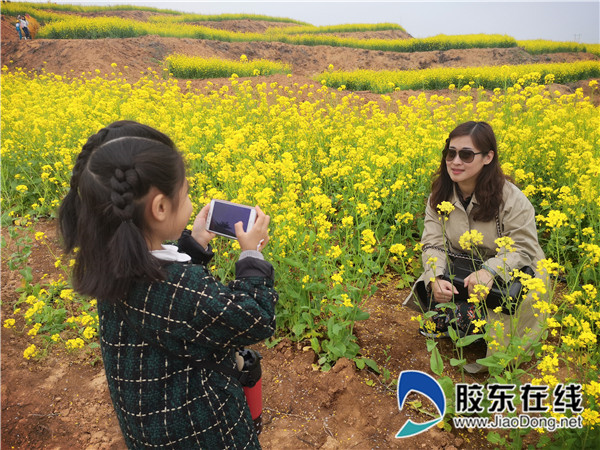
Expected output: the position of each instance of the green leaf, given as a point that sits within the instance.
(386, 374)
(517, 373)
(447, 385)
(452, 333)
(437, 365)
(431, 344)
(466, 340)
(457, 362)
(402, 284)
(338, 350)
(361, 315)
(360, 363)
(544, 441)
(27, 274)
(336, 328)
(314, 344)
(270, 343)
(352, 349)
(490, 361)
(494, 437)
(372, 365)
(299, 328)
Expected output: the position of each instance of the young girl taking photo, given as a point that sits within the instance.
(159, 307)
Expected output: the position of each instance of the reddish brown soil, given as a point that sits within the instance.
(62, 401)
(244, 25)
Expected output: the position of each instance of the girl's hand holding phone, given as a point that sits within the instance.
(258, 236)
(199, 231)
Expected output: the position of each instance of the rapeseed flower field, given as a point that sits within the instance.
(181, 66)
(462, 78)
(345, 181)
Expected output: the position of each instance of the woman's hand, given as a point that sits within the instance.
(482, 276)
(258, 236)
(442, 290)
(199, 232)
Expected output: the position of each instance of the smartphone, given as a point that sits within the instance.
(223, 215)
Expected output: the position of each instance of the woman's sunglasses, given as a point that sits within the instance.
(465, 155)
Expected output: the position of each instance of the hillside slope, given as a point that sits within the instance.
(74, 56)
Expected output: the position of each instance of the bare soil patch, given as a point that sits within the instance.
(377, 34)
(243, 25)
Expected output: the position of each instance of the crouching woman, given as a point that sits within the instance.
(470, 194)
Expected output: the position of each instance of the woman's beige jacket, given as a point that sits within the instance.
(516, 219)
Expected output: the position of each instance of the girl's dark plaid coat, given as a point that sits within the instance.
(165, 402)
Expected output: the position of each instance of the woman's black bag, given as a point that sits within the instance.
(507, 295)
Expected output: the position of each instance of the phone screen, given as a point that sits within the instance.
(226, 215)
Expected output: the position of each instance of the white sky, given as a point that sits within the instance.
(577, 21)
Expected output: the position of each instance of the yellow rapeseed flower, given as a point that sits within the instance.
(34, 330)
(89, 333)
(30, 352)
(67, 294)
(590, 417)
(470, 238)
(397, 249)
(368, 240)
(445, 208)
(73, 344)
(505, 243)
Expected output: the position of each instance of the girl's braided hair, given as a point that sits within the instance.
(69, 208)
(103, 212)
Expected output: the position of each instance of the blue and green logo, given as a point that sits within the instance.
(421, 383)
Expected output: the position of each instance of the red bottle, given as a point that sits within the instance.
(252, 382)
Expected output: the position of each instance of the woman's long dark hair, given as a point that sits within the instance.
(490, 181)
(103, 213)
